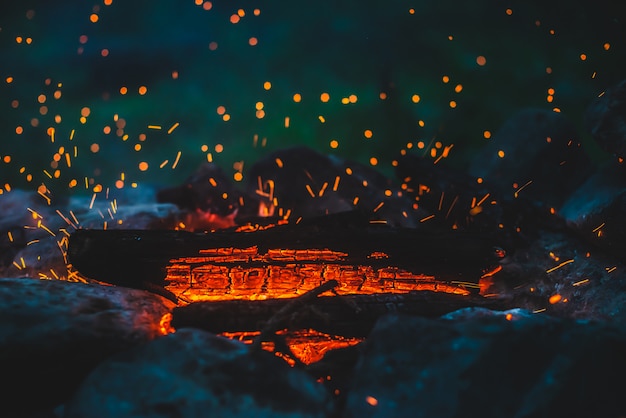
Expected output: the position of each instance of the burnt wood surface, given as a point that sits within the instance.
(346, 315)
(138, 258)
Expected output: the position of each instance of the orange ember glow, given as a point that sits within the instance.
(164, 325)
(309, 346)
(244, 273)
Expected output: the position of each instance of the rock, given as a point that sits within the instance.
(537, 146)
(596, 210)
(20, 224)
(563, 275)
(192, 373)
(307, 183)
(489, 364)
(208, 199)
(53, 333)
(606, 120)
(450, 195)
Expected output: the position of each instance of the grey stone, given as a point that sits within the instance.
(596, 210)
(53, 333)
(192, 373)
(479, 363)
(606, 119)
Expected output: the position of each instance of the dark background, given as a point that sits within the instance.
(339, 47)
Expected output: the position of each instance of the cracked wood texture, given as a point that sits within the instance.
(282, 261)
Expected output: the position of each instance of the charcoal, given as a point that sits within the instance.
(480, 363)
(605, 118)
(303, 181)
(53, 333)
(537, 146)
(596, 210)
(193, 374)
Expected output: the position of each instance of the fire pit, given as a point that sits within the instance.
(341, 215)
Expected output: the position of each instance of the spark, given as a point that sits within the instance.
(555, 299)
(581, 282)
(93, 198)
(45, 228)
(34, 213)
(452, 205)
(74, 218)
(308, 189)
(40, 193)
(492, 272)
(596, 229)
(429, 217)
(380, 205)
(560, 265)
(466, 284)
(611, 269)
(177, 159)
(323, 189)
(481, 201)
(336, 184)
(65, 219)
(155, 127)
(371, 400)
(174, 126)
(516, 194)
(10, 235)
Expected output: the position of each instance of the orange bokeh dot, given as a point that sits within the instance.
(143, 166)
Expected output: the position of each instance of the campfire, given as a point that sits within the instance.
(241, 214)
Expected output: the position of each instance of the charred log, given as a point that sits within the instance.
(348, 316)
(363, 256)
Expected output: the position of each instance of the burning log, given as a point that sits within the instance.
(347, 315)
(286, 260)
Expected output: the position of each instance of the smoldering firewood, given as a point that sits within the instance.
(131, 257)
(348, 315)
(287, 310)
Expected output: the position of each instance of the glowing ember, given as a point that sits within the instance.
(309, 346)
(234, 273)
